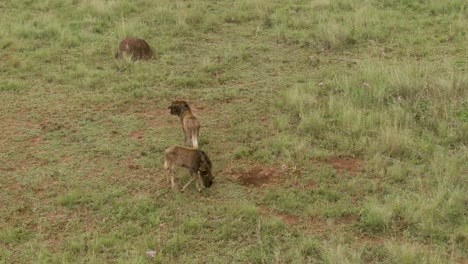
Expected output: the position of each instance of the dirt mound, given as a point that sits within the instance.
(257, 176)
(134, 47)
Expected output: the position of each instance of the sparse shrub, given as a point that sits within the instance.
(244, 212)
(242, 152)
(77, 244)
(73, 199)
(338, 252)
(5, 254)
(289, 201)
(177, 244)
(193, 81)
(375, 217)
(194, 224)
(412, 254)
(12, 85)
(272, 228)
(282, 122)
(18, 234)
(246, 11)
(374, 253)
(311, 250)
(284, 146)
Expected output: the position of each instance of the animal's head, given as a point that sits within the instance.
(205, 169)
(178, 107)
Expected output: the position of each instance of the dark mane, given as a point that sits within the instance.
(205, 166)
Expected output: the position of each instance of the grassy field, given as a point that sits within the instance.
(337, 130)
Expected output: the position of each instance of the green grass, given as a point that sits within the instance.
(354, 112)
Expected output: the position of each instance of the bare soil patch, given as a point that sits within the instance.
(129, 164)
(257, 176)
(157, 117)
(67, 158)
(372, 240)
(137, 134)
(317, 224)
(36, 141)
(349, 165)
(288, 219)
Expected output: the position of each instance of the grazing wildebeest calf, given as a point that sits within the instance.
(197, 162)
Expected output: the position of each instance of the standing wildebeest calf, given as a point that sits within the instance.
(135, 48)
(190, 124)
(197, 162)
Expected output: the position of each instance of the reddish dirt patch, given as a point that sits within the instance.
(371, 240)
(46, 186)
(36, 141)
(157, 117)
(288, 219)
(349, 165)
(257, 176)
(348, 219)
(67, 158)
(317, 225)
(312, 184)
(129, 164)
(137, 134)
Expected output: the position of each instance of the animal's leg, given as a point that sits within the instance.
(172, 177)
(199, 183)
(183, 131)
(166, 166)
(188, 183)
(192, 178)
(185, 134)
(194, 137)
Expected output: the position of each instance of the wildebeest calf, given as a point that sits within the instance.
(197, 162)
(135, 48)
(190, 123)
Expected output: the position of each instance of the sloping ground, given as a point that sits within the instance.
(336, 130)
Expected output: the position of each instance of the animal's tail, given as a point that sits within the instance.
(194, 139)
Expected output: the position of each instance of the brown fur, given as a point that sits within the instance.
(197, 162)
(190, 124)
(134, 47)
